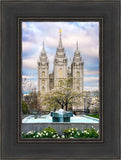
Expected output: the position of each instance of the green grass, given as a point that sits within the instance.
(94, 115)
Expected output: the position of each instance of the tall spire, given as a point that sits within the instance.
(60, 46)
(77, 55)
(43, 56)
(43, 49)
(70, 62)
(77, 49)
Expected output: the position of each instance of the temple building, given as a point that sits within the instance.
(62, 69)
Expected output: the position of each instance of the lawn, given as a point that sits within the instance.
(94, 115)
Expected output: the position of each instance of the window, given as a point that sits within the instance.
(78, 74)
(43, 74)
(60, 73)
(78, 88)
(78, 81)
(43, 81)
(43, 89)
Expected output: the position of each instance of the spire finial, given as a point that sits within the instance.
(60, 30)
(43, 49)
(60, 41)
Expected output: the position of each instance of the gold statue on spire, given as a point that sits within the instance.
(60, 31)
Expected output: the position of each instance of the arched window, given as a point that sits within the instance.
(43, 81)
(43, 89)
(43, 74)
(78, 74)
(60, 73)
(78, 81)
(78, 88)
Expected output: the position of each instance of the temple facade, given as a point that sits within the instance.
(62, 69)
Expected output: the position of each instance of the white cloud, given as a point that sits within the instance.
(24, 26)
(91, 79)
(29, 63)
(27, 46)
(27, 77)
(91, 72)
(91, 88)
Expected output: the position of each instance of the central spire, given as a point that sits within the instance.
(77, 49)
(43, 49)
(60, 46)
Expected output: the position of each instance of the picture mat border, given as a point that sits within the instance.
(104, 158)
(48, 140)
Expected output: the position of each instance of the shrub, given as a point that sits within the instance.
(90, 133)
(30, 134)
(75, 133)
(24, 107)
(49, 133)
(46, 133)
(67, 133)
(72, 133)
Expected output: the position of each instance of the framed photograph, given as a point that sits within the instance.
(60, 91)
(60, 79)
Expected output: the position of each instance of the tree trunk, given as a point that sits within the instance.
(66, 107)
(62, 106)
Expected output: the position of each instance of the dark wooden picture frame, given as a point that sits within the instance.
(108, 146)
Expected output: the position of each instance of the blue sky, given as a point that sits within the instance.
(33, 35)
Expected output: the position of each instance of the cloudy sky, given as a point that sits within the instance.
(33, 35)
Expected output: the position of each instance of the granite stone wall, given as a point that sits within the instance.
(58, 126)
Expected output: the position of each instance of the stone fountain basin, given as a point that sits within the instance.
(67, 114)
(61, 116)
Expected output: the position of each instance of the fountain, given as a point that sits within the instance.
(61, 116)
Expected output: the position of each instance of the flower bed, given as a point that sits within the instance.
(68, 133)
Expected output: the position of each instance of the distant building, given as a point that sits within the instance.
(91, 100)
(62, 69)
